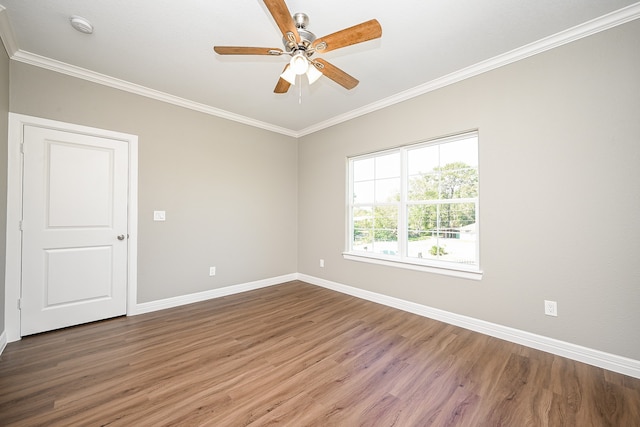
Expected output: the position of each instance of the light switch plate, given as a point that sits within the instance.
(159, 215)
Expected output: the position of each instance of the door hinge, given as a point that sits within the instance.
(22, 148)
(21, 225)
(19, 303)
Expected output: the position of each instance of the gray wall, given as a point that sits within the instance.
(229, 190)
(559, 193)
(4, 111)
(559, 155)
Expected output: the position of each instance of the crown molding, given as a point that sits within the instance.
(6, 33)
(586, 29)
(82, 73)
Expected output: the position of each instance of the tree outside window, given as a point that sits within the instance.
(417, 204)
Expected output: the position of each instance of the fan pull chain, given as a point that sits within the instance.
(300, 93)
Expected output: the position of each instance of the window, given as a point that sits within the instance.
(417, 205)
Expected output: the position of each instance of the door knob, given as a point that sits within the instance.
(121, 237)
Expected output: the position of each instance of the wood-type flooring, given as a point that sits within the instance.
(298, 355)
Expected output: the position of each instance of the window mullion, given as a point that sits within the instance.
(350, 225)
(403, 230)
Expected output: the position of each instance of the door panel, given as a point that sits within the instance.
(79, 196)
(91, 269)
(74, 266)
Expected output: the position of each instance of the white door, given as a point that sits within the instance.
(74, 238)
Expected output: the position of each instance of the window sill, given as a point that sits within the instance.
(462, 273)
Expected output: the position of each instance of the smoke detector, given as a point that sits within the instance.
(81, 24)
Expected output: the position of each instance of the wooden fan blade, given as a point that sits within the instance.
(283, 18)
(337, 75)
(242, 50)
(357, 34)
(282, 86)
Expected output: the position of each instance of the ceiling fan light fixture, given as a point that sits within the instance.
(299, 63)
(301, 44)
(313, 74)
(289, 75)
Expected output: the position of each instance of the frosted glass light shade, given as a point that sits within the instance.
(313, 74)
(299, 63)
(289, 75)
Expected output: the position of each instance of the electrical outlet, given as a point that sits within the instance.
(212, 271)
(550, 308)
(321, 263)
(159, 215)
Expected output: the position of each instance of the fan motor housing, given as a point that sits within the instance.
(306, 37)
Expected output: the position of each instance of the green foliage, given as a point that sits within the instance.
(458, 181)
(450, 182)
(437, 250)
(453, 181)
(385, 235)
(379, 224)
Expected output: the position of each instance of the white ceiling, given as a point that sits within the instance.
(163, 48)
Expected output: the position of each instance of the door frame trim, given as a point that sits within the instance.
(13, 260)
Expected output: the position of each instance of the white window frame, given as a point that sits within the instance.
(402, 260)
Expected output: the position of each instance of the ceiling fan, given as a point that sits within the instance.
(301, 44)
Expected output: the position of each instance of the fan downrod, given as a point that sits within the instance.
(301, 20)
(307, 38)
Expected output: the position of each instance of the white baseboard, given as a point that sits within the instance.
(148, 307)
(3, 341)
(611, 362)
